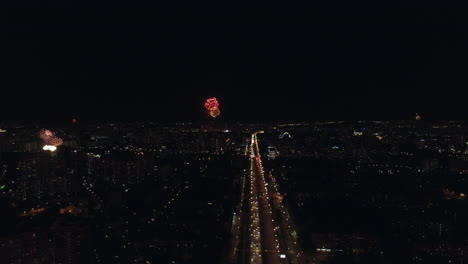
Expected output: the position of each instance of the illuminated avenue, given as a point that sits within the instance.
(262, 229)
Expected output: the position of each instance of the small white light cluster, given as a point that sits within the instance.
(50, 148)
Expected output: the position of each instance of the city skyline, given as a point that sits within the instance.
(325, 134)
(318, 192)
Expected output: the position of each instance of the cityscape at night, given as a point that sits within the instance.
(317, 192)
(328, 134)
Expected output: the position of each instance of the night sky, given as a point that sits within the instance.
(351, 61)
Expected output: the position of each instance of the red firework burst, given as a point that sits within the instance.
(211, 104)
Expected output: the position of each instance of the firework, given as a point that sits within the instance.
(215, 113)
(211, 104)
(49, 138)
(45, 134)
(55, 141)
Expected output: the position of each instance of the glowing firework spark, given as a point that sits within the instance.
(49, 138)
(211, 104)
(215, 113)
(418, 117)
(50, 148)
(55, 141)
(212, 107)
(44, 134)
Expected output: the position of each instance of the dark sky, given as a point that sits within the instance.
(64, 59)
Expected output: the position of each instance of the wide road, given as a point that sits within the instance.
(261, 227)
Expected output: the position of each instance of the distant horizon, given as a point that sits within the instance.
(214, 122)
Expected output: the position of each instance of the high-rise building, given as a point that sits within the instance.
(28, 183)
(72, 242)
